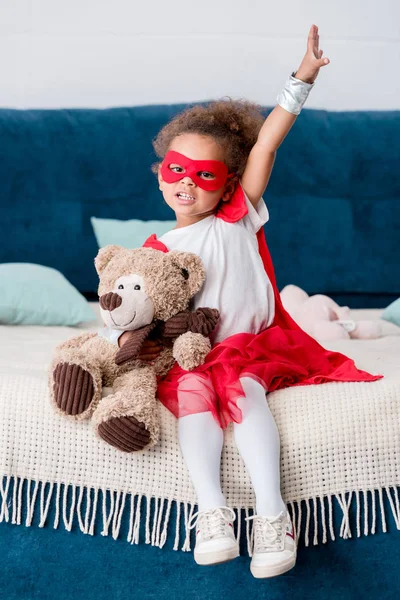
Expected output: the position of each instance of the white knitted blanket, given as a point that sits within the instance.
(337, 440)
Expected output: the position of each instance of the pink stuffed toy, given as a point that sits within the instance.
(323, 319)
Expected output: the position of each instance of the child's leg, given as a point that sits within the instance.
(258, 442)
(274, 547)
(201, 440)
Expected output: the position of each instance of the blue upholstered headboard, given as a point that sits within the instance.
(333, 197)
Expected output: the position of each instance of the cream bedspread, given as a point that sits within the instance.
(335, 438)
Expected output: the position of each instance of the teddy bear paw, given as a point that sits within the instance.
(73, 389)
(190, 350)
(124, 433)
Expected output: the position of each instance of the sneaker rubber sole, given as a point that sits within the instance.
(261, 572)
(216, 558)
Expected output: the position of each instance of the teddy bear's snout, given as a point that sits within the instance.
(110, 301)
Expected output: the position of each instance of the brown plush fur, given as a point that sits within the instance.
(171, 280)
(165, 281)
(190, 350)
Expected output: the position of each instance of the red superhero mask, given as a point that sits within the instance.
(193, 168)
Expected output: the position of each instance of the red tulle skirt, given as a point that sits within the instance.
(276, 358)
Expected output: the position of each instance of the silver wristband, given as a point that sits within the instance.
(294, 94)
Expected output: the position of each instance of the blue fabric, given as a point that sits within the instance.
(36, 295)
(53, 564)
(129, 234)
(333, 195)
(392, 312)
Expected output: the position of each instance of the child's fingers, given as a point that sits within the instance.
(148, 357)
(151, 351)
(312, 37)
(151, 343)
(155, 350)
(151, 346)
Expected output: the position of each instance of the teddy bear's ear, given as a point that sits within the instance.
(104, 256)
(192, 269)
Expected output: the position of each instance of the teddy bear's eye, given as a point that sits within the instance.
(185, 273)
(137, 287)
(121, 287)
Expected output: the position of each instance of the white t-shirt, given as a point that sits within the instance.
(236, 282)
(110, 334)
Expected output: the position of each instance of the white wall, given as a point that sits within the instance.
(100, 53)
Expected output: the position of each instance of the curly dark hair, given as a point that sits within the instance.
(233, 124)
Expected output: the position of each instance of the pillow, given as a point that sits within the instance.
(129, 234)
(392, 312)
(33, 294)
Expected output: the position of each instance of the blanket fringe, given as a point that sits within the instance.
(312, 517)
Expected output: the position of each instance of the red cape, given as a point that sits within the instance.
(281, 356)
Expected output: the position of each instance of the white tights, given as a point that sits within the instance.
(257, 439)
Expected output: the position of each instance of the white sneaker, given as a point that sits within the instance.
(274, 545)
(215, 539)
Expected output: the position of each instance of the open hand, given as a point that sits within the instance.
(312, 61)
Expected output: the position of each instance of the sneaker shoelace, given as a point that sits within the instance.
(267, 532)
(213, 521)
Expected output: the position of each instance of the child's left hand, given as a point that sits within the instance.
(312, 61)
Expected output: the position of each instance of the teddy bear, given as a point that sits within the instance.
(323, 319)
(148, 293)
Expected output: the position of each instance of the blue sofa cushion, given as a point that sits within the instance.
(333, 195)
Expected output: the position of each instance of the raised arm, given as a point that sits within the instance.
(278, 124)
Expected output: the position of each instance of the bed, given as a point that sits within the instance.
(75, 519)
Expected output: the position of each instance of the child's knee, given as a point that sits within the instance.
(253, 387)
(195, 394)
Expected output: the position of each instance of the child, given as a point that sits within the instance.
(216, 164)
